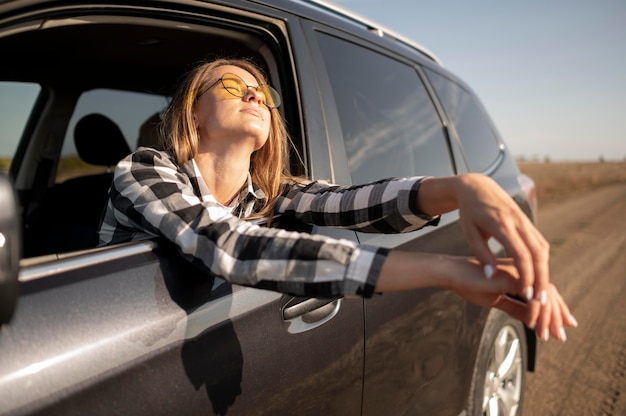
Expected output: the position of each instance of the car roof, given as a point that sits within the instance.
(89, 49)
(373, 26)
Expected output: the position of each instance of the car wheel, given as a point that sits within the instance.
(500, 372)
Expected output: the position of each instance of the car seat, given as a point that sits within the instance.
(69, 216)
(149, 132)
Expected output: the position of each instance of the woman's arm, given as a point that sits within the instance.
(385, 206)
(465, 276)
(152, 196)
(487, 211)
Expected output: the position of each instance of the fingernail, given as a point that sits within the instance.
(546, 335)
(543, 297)
(488, 270)
(573, 320)
(562, 334)
(532, 326)
(528, 293)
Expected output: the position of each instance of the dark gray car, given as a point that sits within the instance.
(132, 329)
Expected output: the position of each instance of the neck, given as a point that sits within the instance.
(224, 174)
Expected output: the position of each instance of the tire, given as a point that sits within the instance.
(499, 378)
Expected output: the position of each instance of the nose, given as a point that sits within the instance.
(253, 95)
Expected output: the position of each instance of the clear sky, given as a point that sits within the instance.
(552, 74)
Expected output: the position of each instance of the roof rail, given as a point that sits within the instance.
(374, 27)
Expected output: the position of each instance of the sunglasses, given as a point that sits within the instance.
(238, 88)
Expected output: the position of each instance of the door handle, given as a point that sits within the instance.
(310, 313)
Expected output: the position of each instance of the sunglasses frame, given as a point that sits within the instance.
(273, 94)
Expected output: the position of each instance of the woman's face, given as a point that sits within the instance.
(222, 117)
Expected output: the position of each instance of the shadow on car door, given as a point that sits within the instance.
(134, 329)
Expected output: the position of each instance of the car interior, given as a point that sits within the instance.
(70, 55)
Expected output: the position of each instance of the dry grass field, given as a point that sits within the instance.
(557, 181)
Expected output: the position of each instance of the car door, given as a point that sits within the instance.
(133, 329)
(420, 345)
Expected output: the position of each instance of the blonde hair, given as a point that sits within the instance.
(269, 166)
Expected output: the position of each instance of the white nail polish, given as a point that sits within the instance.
(562, 334)
(546, 335)
(573, 320)
(528, 293)
(488, 270)
(543, 297)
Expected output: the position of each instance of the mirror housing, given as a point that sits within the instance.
(10, 247)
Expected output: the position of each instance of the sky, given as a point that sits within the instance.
(552, 74)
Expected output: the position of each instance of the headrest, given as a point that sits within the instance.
(149, 133)
(99, 141)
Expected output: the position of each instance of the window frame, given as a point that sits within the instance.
(47, 126)
(499, 158)
(341, 170)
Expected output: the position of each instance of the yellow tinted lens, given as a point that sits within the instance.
(234, 85)
(270, 96)
(238, 88)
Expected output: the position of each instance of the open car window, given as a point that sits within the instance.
(104, 91)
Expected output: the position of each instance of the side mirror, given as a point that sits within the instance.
(10, 246)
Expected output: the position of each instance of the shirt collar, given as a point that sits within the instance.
(252, 191)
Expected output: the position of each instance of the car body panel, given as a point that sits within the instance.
(139, 314)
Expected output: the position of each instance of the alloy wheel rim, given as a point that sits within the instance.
(503, 379)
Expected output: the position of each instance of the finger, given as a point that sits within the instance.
(515, 247)
(546, 317)
(556, 322)
(566, 315)
(514, 308)
(532, 316)
(478, 244)
(539, 250)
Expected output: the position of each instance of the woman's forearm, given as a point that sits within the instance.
(444, 194)
(437, 196)
(406, 270)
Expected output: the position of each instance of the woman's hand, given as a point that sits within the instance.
(555, 314)
(407, 270)
(487, 211)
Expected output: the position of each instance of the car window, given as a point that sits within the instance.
(477, 138)
(128, 110)
(389, 123)
(16, 103)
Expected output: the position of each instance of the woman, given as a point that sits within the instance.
(225, 159)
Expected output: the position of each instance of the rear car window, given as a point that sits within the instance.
(389, 123)
(17, 100)
(476, 135)
(136, 115)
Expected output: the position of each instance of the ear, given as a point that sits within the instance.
(195, 121)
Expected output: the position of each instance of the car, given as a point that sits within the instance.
(132, 328)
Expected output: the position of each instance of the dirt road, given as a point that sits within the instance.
(586, 374)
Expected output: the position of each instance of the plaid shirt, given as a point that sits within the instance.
(152, 196)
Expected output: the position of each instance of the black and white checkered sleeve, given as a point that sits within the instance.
(151, 196)
(386, 206)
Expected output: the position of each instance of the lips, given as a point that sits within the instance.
(253, 111)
